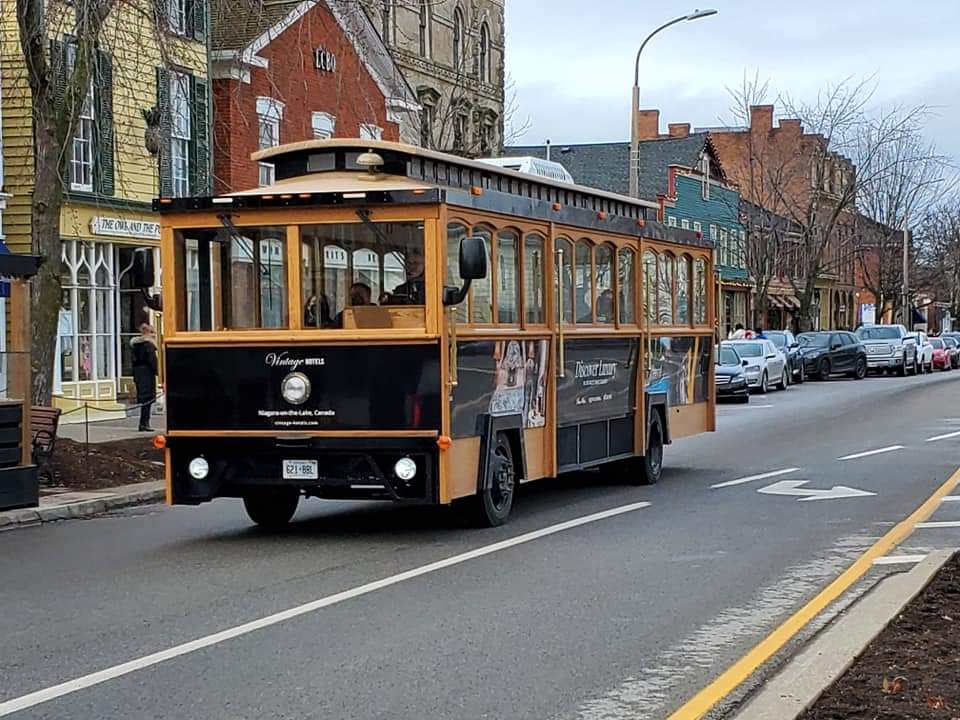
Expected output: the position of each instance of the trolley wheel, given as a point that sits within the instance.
(271, 508)
(491, 506)
(651, 464)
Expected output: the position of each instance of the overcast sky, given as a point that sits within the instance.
(571, 61)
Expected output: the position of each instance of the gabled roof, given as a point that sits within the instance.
(242, 28)
(607, 165)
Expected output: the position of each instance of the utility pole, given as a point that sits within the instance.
(907, 315)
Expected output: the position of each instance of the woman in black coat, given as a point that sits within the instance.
(144, 348)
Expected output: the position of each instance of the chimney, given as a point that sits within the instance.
(761, 118)
(648, 124)
(678, 130)
(793, 125)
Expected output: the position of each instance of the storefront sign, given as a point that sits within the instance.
(324, 60)
(121, 227)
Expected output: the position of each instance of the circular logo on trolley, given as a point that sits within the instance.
(295, 388)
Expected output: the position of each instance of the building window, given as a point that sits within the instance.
(483, 54)
(267, 174)
(457, 39)
(269, 115)
(425, 28)
(370, 132)
(81, 156)
(713, 235)
(177, 16)
(324, 125)
(534, 268)
(426, 125)
(685, 224)
(180, 133)
(697, 227)
(87, 331)
(672, 221)
(459, 132)
(724, 247)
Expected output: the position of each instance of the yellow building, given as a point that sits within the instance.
(115, 166)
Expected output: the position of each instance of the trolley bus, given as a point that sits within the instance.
(387, 322)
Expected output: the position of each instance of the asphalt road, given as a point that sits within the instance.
(625, 615)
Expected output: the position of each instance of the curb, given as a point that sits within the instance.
(35, 516)
(801, 682)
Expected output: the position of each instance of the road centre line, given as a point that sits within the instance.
(751, 478)
(941, 524)
(39, 697)
(899, 559)
(731, 678)
(943, 437)
(868, 453)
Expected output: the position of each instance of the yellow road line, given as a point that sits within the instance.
(701, 703)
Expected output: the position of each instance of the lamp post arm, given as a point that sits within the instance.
(636, 65)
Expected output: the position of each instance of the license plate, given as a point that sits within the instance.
(300, 470)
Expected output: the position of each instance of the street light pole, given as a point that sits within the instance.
(907, 315)
(635, 100)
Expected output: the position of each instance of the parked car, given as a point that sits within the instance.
(924, 350)
(731, 380)
(829, 352)
(942, 357)
(953, 346)
(765, 366)
(888, 349)
(787, 344)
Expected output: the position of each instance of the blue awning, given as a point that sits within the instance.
(4, 285)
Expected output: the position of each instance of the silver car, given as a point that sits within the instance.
(766, 365)
(889, 348)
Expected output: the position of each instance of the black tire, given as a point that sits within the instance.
(860, 371)
(764, 386)
(744, 400)
(491, 507)
(272, 509)
(802, 377)
(784, 380)
(916, 367)
(902, 370)
(651, 464)
(823, 369)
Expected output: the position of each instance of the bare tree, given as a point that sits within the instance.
(936, 265)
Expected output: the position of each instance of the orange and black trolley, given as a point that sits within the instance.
(387, 322)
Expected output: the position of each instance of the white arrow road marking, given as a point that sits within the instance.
(943, 437)
(792, 487)
(8, 707)
(868, 453)
(751, 478)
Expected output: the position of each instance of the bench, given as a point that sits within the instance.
(43, 430)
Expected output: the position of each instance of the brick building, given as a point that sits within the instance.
(291, 71)
(787, 172)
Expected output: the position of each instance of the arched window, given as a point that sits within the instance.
(533, 275)
(564, 276)
(683, 290)
(650, 286)
(481, 292)
(425, 28)
(455, 233)
(583, 282)
(508, 276)
(457, 39)
(483, 54)
(603, 275)
(700, 291)
(665, 290)
(627, 285)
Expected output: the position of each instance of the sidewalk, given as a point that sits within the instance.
(110, 429)
(63, 503)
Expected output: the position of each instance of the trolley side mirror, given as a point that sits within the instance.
(143, 271)
(473, 266)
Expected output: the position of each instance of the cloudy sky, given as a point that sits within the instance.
(572, 64)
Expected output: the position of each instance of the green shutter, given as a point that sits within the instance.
(58, 58)
(103, 99)
(163, 104)
(200, 142)
(197, 10)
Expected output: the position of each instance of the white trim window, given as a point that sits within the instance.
(267, 174)
(672, 221)
(370, 132)
(697, 227)
(87, 334)
(724, 247)
(177, 16)
(180, 133)
(81, 155)
(685, 223)
(324, 125)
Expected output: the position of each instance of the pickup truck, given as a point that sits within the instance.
(889, 349)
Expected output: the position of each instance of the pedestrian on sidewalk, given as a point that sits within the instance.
(144, 348)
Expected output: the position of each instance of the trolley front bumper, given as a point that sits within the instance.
(326, 467)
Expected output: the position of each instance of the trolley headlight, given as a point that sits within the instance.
(295, 388)
(199, 468)
(405, 469)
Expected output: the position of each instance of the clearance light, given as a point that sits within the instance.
(160, 442)
(476, 190)
(354, 196)
(304, 196)
(444, 442)
(166, 201)
(286, 197)
(222, 201)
